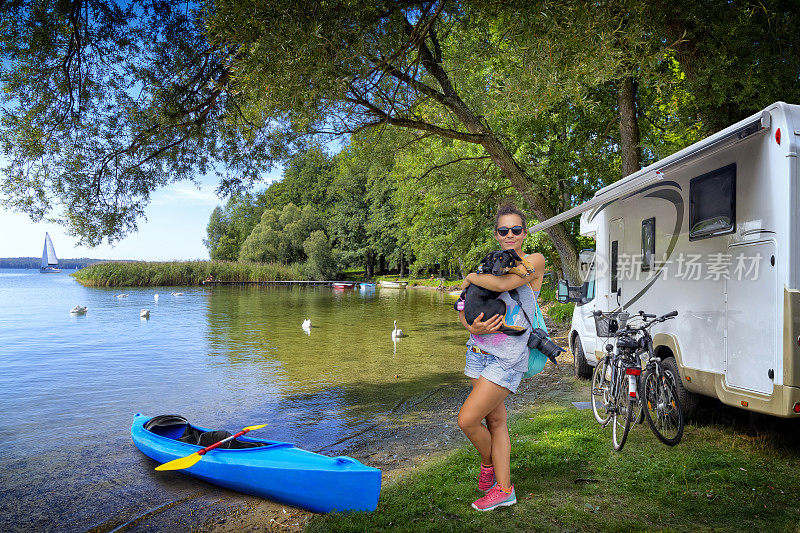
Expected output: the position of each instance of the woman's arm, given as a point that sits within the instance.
(491, 325)
(507, 282)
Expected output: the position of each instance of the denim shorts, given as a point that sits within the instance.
(484, 364)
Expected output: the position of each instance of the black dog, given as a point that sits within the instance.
(477, 300)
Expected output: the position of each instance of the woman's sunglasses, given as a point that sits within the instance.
(503, 231)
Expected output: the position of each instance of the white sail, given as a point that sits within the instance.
(49, 253)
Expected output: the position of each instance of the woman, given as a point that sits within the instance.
(495, 365)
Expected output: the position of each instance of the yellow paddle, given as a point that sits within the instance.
(189, 460)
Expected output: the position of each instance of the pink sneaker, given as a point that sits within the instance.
(495, 498)
(486, 478)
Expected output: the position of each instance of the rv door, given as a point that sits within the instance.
(616, 235)
(587, 308)
(752, 317)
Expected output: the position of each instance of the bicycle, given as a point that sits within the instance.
(660, 404)
(618, 400)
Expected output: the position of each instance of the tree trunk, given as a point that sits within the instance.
(370, 267)
(630, 147)
(402, 265)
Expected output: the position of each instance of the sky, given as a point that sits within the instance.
(177, 217)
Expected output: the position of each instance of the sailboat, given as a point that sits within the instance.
(49, 259)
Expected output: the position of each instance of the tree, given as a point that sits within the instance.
(229, 227)
(280, 234)
(737, 57)
(320, 264)
(362, 224)
(104, 103)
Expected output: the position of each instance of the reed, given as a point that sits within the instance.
(156, 274)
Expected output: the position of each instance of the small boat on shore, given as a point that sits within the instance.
(344, 285)
(269, 469)
(366, 286)
(49, 259)
(393, 284)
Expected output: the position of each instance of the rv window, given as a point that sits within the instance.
(588, 286)
(648, 243)
(712, 203)
(614, 250)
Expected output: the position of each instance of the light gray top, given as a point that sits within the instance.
(510, 351)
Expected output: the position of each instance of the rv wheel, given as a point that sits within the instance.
(582, 368)
(688, 399)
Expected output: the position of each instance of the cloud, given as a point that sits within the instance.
(186, 194)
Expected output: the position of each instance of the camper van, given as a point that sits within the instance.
(712, 231)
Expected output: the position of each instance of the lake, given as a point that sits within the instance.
(224, 358)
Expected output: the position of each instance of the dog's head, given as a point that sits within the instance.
(499, 263)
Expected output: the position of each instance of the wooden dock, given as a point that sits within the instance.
(326, 283)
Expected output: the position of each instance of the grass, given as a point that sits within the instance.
(154, 274)
(568, 478)
(561, 312)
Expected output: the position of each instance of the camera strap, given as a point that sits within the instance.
(536, 359)
(536, 321)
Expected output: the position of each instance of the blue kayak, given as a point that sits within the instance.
(274, 470)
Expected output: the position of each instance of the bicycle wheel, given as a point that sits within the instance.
(622, 416)
(599, 393)
(662, 407)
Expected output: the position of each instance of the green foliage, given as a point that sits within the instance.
(547, 295)
(561, 312)
(228, 227)
(306, 180)
(154, 274)
(279, 235)
(320, 263)
(362, 223)
(446, 197)
(103, 105)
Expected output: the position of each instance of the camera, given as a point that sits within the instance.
(540, 341)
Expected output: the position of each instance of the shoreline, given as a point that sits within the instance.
(398, 444)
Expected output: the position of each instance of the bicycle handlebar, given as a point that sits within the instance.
(633, 329)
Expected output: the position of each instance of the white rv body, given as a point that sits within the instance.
(724, 215)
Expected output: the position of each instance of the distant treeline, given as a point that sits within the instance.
(36, 262)
(171, 273)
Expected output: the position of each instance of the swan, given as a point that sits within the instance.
(144, 313)
(155, 297)
(397, 333)
(306, 323)
(78, 310)
(122, 295)
(177, 294)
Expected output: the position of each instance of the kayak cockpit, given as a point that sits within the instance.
(177, 428)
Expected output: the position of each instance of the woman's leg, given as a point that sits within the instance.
(497, 423)
(486, 401)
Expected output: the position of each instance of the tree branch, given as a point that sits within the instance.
(416, 124)
(437, 167)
